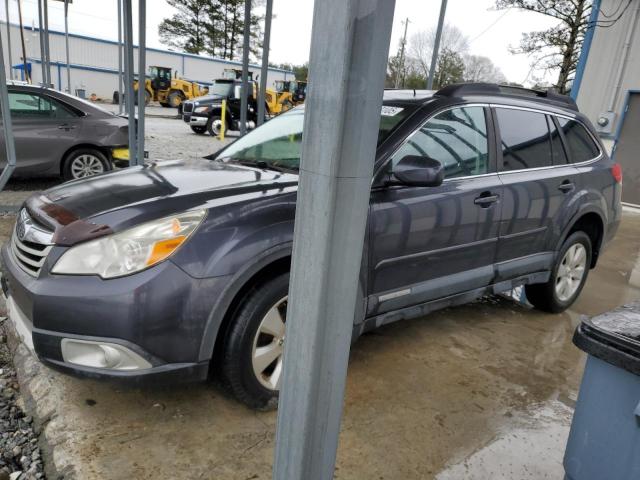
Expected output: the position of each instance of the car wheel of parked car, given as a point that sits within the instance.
(252, 357)
(199, 130)
(214, 125)
(85, 162)
(568, 276)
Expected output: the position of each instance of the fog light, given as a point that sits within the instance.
(101, 355)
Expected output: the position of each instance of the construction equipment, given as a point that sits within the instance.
(296, 88)
(168, 90)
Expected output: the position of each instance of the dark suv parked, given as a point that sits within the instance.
(181, 267)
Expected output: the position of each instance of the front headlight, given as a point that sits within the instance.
(132, 250)
(201, 109)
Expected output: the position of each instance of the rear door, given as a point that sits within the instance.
(539, 186)
(43, 129)
(431, 242)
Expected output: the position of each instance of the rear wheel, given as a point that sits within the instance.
(83, 163)
(174, 99)
(568, 276)
(252, 358)
(199, 130)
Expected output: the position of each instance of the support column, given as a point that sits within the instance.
(9, 54)
(349, 52)
(128, 71)
(47, 53)
(120, 87)
(142, 69)
(66, 43)
(43, 54)
(10, 146)
(264, 72)
(244, 102)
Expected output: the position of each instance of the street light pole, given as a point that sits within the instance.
(244, 102)
(436, 45)
(349, 52)
(264, 72)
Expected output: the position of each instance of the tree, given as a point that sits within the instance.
(557, 48)
(449, 69)
(481, 69)
(422, 43)
(213, 27)
(301, 71)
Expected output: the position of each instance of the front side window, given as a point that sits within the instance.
(525, 139)
(457, 138)
(581, 146)
(29, 105)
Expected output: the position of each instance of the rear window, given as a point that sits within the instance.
(525, 139)
(581, 146)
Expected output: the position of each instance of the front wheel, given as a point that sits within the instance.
(83, 163)
(174, 99)
(214, 126)
(252, 358)
(568, 276)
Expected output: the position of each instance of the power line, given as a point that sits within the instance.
(611, 23)
(490, 26)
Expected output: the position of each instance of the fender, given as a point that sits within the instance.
(583, 210)
(236, 282)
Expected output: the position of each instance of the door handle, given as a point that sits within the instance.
(566, 186)
(66, 127)
(486, 199)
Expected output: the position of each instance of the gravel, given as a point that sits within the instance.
(20, 456)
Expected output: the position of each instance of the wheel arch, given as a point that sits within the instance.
(272, 262)
(104, 150)
(592, 223)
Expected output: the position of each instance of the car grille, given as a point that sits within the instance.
(30, 244)
(187, 107)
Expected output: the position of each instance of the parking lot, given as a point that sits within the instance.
(488, 388)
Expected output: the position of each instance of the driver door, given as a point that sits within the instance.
(432, 242)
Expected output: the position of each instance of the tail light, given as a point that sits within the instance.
(616, 171)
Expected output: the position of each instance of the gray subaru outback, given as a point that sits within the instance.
(179, 269)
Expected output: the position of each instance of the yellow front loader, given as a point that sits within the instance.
(168, 90)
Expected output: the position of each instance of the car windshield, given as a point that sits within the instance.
(221, 88)
(278, 142)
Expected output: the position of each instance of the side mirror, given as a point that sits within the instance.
(237, 92)
(418, 171)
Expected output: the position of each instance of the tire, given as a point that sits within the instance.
(213, 126)
(83, 163)
(248, 333)
(174, 99)
(560, 291)
(164, 104)
(199, 130)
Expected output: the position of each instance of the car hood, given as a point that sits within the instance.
(99, 205)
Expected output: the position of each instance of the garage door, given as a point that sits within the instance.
(628, 151)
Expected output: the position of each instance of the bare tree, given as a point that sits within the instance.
(558, 47)
(481, 69)
(421, 45)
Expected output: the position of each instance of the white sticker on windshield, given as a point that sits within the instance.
(390, 111)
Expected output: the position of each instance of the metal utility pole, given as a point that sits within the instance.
(400, 72)
(9, 144)
(349, 52)
(46, 42)
(142, 68)
(436, 45)
(120, 89)
(264, 72)
(27, 75)
(244, 102)
(6, 7)
(66, 42)
(128, 75)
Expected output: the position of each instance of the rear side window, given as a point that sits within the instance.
(457, 138)
(525, 139)
(581, 146)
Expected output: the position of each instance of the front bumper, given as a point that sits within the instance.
(159, 315)
(195, 120)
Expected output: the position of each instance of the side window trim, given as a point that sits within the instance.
(563, 140)
(492, 165)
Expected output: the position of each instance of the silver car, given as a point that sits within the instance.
(59, 134)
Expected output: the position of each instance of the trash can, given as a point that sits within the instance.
(81, 93)
(604, 442)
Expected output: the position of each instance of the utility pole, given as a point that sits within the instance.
(400, 72)
(349, 54)
(244, 92)
(6, 5)
(436, 45)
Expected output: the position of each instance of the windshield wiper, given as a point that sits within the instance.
(261, 164)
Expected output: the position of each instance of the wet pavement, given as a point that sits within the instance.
(482, 391)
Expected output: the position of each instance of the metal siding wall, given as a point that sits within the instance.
(599, 77)
(100, 54)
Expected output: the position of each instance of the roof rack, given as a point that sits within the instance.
(460, 89)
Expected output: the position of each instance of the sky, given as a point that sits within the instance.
(491, 32)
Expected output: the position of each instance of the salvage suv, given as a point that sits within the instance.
(181, 268)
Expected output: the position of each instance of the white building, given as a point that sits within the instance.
(94, 62)
(609, 90)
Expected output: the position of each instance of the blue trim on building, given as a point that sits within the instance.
(149, 49)
(621, 122)
(586, 46)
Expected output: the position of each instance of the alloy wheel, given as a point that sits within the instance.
(86, 165)
(268, 345)
(571, 272)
